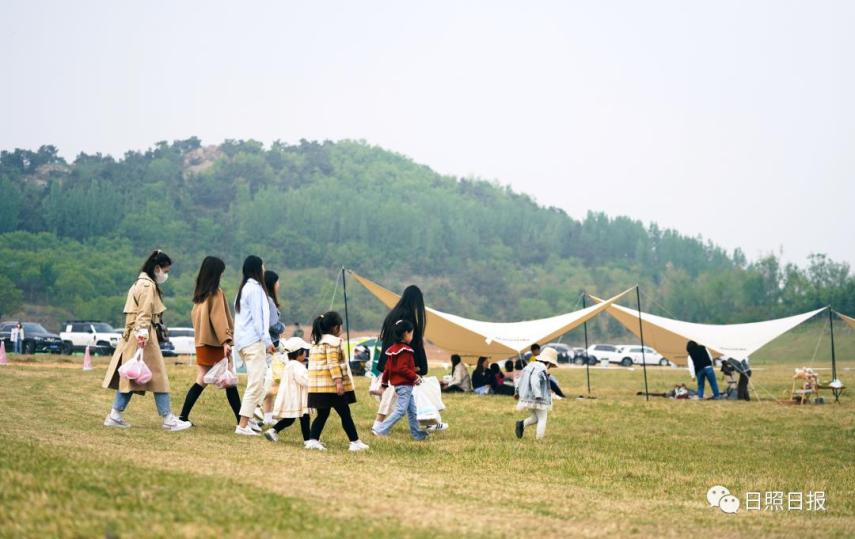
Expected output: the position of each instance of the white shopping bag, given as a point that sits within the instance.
(428, 398)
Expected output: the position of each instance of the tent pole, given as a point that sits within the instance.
(641, 334)
(587, 363)
(346, 317)
(833, 358)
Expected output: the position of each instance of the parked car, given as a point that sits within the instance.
(36, 338)
(565, 354)
(603, 352)
(631, 354)
(167, 349)
(184, 341)
(580, 357)
(101, 338)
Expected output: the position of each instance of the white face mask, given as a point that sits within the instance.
(160, 277)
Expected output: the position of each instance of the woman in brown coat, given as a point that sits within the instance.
(213, 327)
(143, 311)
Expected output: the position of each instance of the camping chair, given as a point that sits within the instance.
(804, 386)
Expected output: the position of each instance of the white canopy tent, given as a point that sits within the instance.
(669, 337)
(473, 338)
(848, 319)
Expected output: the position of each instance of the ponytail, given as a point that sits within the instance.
(324, 324)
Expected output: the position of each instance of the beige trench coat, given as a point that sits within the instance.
(142, 308)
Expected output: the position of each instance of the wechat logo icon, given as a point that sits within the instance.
(719, 496)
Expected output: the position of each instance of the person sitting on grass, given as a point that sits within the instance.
(498, 381)
(534, 394)
(400, 372)
(481, 377)
(292, 398)
(460, 381)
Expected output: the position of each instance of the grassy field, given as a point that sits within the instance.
(614, 466)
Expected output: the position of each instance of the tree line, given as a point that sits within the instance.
(72, 235)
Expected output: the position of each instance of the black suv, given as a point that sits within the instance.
(36, 338)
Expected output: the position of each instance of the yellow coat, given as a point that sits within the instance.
(142, 308)
(327, 364)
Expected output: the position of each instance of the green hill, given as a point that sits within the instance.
(72, 236)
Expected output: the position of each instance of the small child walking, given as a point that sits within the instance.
(293, 395)
(401, 372)
(533, 392)
(330, 382)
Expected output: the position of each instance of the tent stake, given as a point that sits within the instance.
(641, 334)
(833, 358)
(587, 361)
(346, 318)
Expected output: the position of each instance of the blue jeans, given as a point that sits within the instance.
(406, 405)
(161, 400)
(18, 344)
(709, 374)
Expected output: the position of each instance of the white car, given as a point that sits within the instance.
(184, 340)
(604, 352)
(100, 337)
(631, 355)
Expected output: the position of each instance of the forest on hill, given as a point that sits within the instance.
(73, 235)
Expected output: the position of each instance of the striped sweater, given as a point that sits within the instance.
(326, 364)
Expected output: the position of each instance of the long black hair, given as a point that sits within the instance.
(157, 258)
(481, 367)
(270, 280)
(252, 269)
(410, 307)
(325, 324)
(455, 359)
(208, 279)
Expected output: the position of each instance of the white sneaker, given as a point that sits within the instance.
(245, 431)
(173, 424)
(314, 444)
(357, 446)
(436, 427)
(119, 422)
(271, 435)
(255, 426)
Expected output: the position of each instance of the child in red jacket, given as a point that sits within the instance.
(401, 372)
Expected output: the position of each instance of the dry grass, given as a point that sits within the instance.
(615, 466)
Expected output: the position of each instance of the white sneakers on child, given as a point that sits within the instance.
(173, 424)
(435, 427)
(246, 431)
(314, 444)
(255, 426)
(114, 419)
(271, 435)
(357, 446)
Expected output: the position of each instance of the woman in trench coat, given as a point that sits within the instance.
(143, 309)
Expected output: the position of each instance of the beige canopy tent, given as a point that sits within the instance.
(669, 337)
(473, 338)
(848, 319)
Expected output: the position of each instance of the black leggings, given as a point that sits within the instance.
(453, 389)
(288, 421)
(343, 411)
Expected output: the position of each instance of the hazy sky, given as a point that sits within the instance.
(731, 120)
